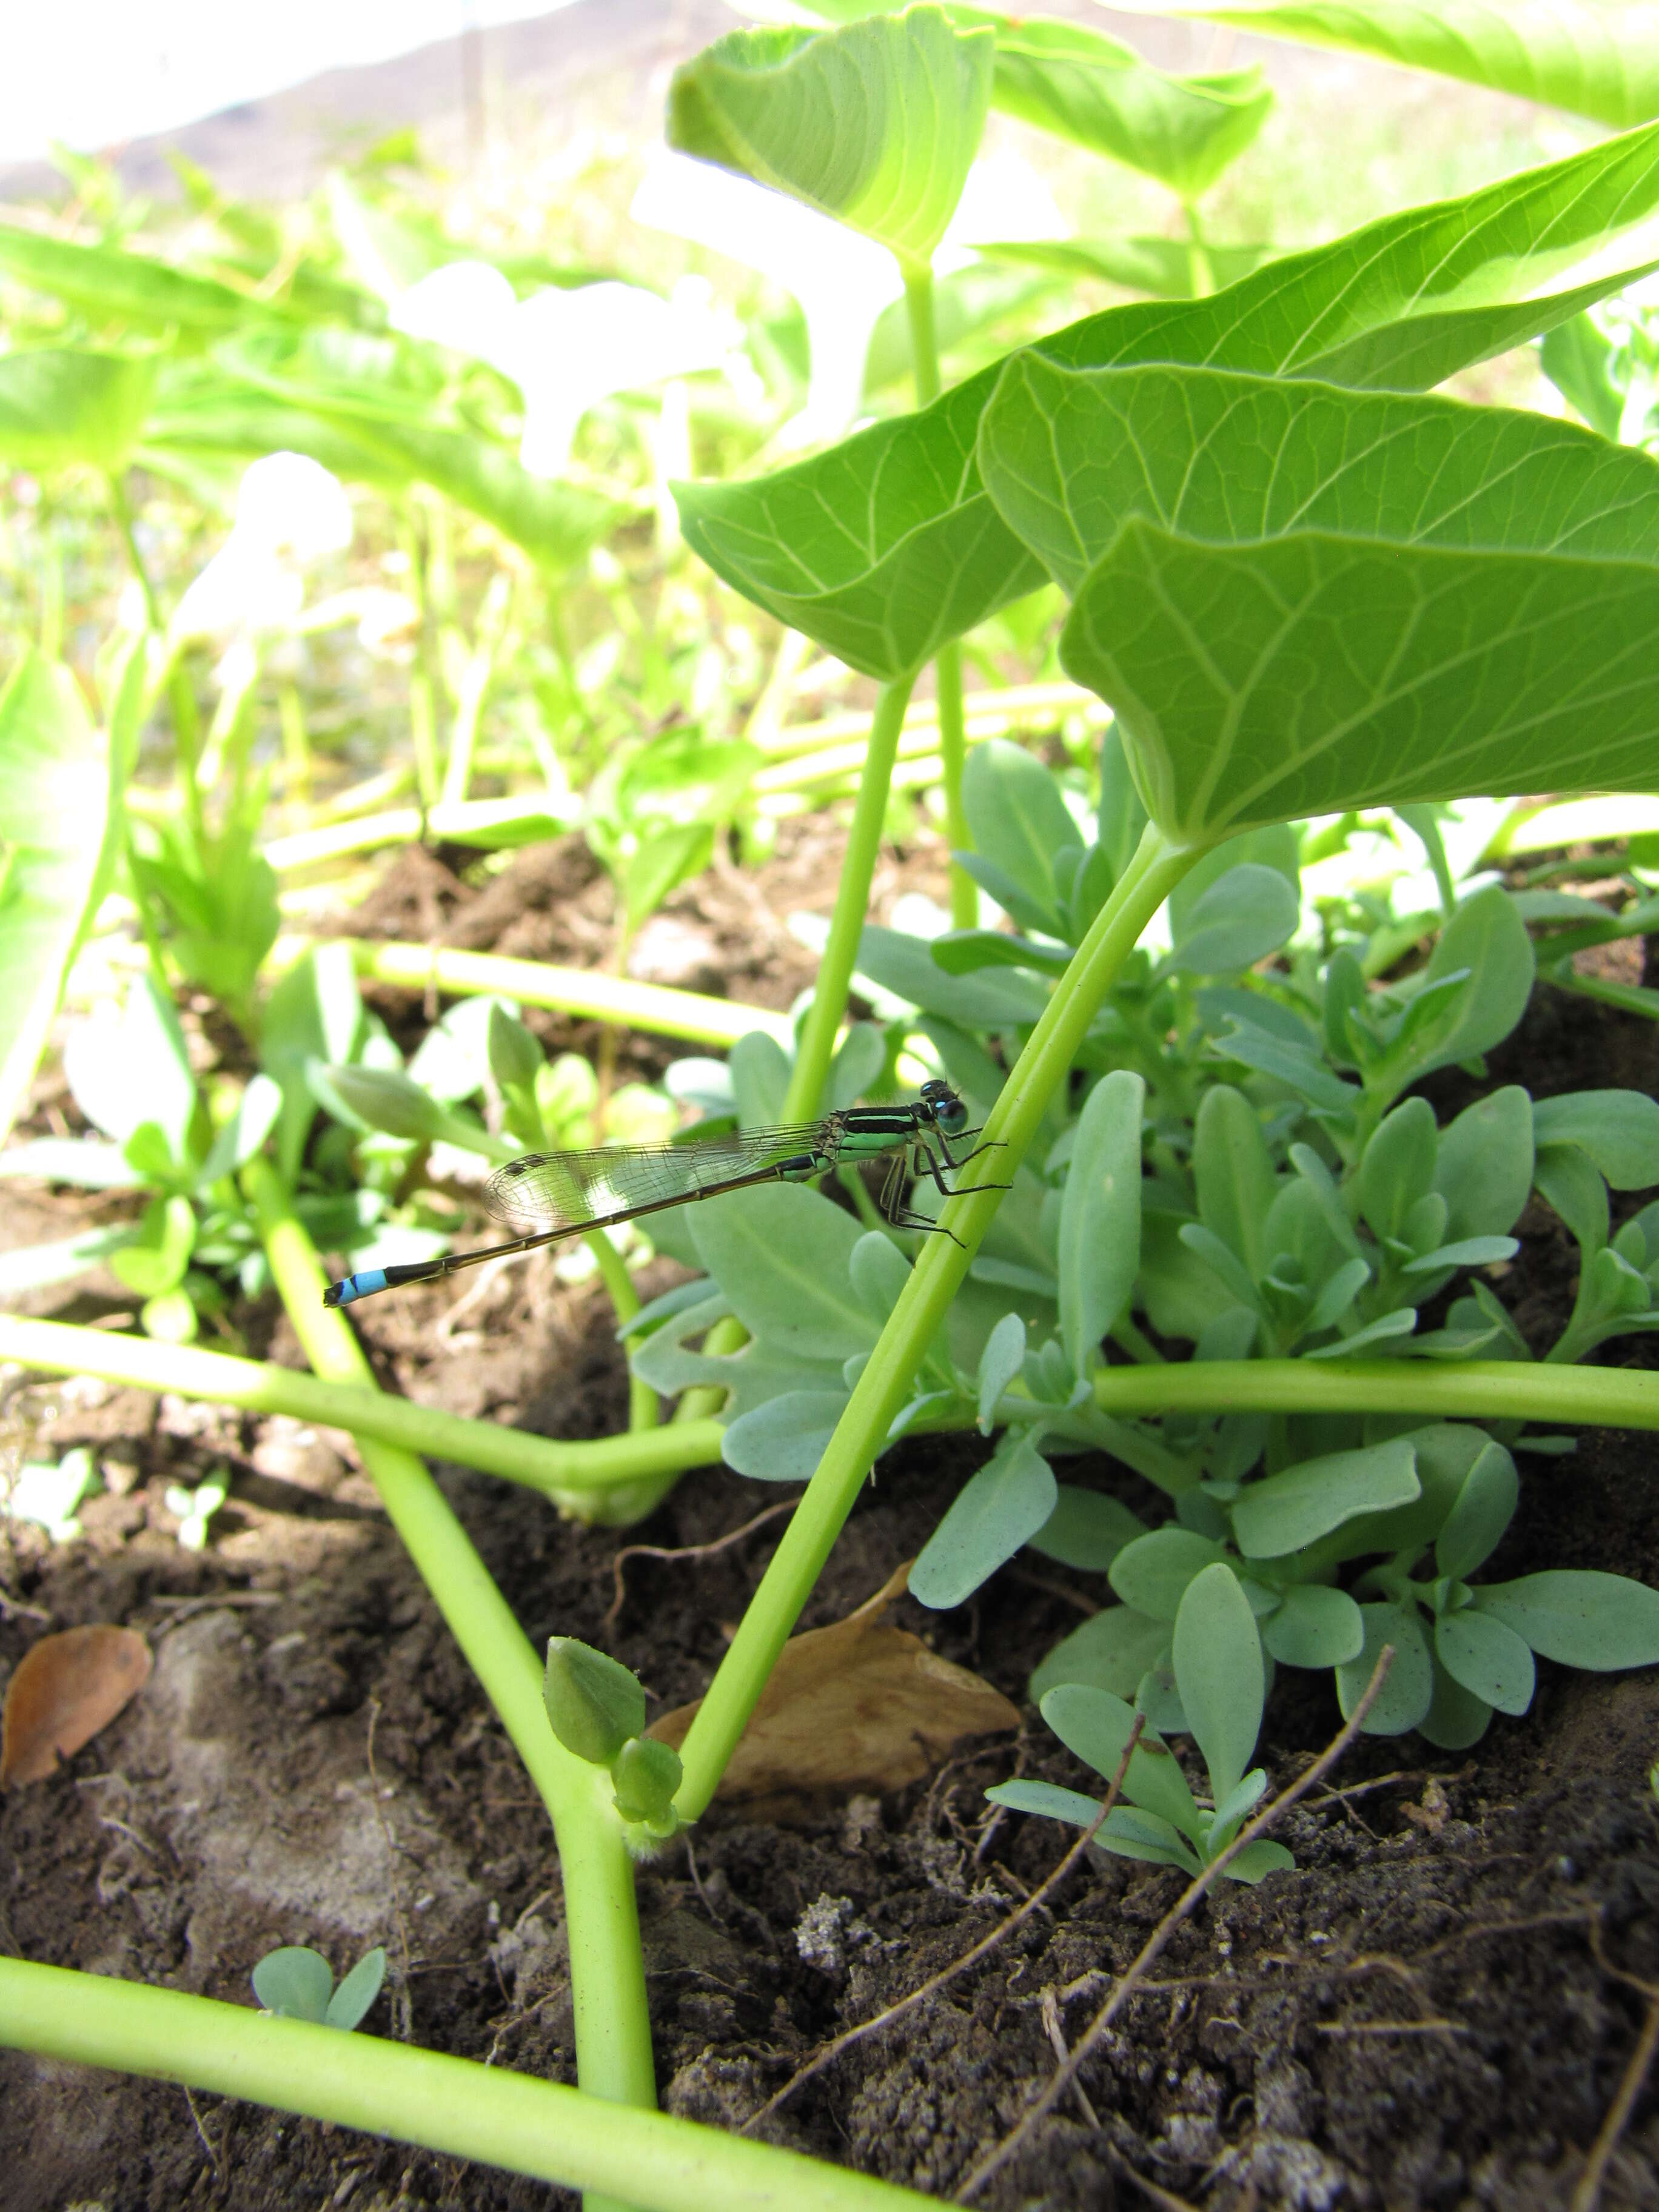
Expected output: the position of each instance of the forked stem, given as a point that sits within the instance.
(880, 1391)
(607, 1966)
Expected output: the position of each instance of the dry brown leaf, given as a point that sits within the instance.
(853, 1706)
(65, 1689)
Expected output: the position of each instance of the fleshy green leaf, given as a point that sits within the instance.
(55, 812)
(1313, 1627)
(1019, 821)
(1486, 1505)
(1262, 1857)
(357, 1991)
(1219, 1674)
(1483, 1163)
(1580, 1617)
(1282, 1512)
(1086, 1530)
(1489, 1660)
(1112, 1650)
(783, 1254)
(1243, 916)
(1409, 1688)
(1096, 1726)
(876, 124)
(1048, 1800)
(155, 1263)
(783, 1440)
(1002, 1360)
(1585, 55)
(1153, 1573)
(1000, 1509)
(295, 1982)
(1099, 1249)
(1620, 1130)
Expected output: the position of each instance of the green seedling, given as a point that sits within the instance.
(1219, 1680)
(49, 1495)
(296, 1983)
(194, 1508)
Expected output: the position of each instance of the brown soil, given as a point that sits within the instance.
(1427, 2013)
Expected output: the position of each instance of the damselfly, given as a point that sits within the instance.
(552, 1195)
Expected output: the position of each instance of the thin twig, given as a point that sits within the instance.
(1128, 1983)
(1588, 2194)
(833, 2050)
(685, 1552)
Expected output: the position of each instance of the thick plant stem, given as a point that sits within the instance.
(453, 2106)
(1476, 1390)
(578, 1477)
(922, 1307)
(947, 668)
(122, 508)
(607, 1968)
(817, 1040)
(652, 1006)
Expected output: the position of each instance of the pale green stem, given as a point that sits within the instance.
(828, 1007)
(607, 1968)
(652, 1006)
(947, 668)
(578, 1477)
(1475, 1390)
(397, 825)
(123, 511)
(296, 744)
(475, 688)
(455, 2106)
(921, 1309)
(1198, 258)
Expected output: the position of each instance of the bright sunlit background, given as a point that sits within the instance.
(96, 73)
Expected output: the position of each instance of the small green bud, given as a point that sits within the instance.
(515, 1056)
(594, 1703)
(646, 1774)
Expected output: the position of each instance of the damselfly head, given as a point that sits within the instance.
(945, 1109)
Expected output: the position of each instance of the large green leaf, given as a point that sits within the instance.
(1079, 83)
(61, 404)
(1299, 599)
(381, 432)
(1595, 58)
(55, 798)
(888, 546)
(111, 283)
(876, 124)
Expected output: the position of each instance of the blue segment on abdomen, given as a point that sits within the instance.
(362, 1284)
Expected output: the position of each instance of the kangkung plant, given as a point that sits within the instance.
(1305, 587)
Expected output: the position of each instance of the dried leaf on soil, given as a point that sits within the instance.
(857, 1706)
(65, 1689)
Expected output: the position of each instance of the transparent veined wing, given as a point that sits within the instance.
(551, 1190)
